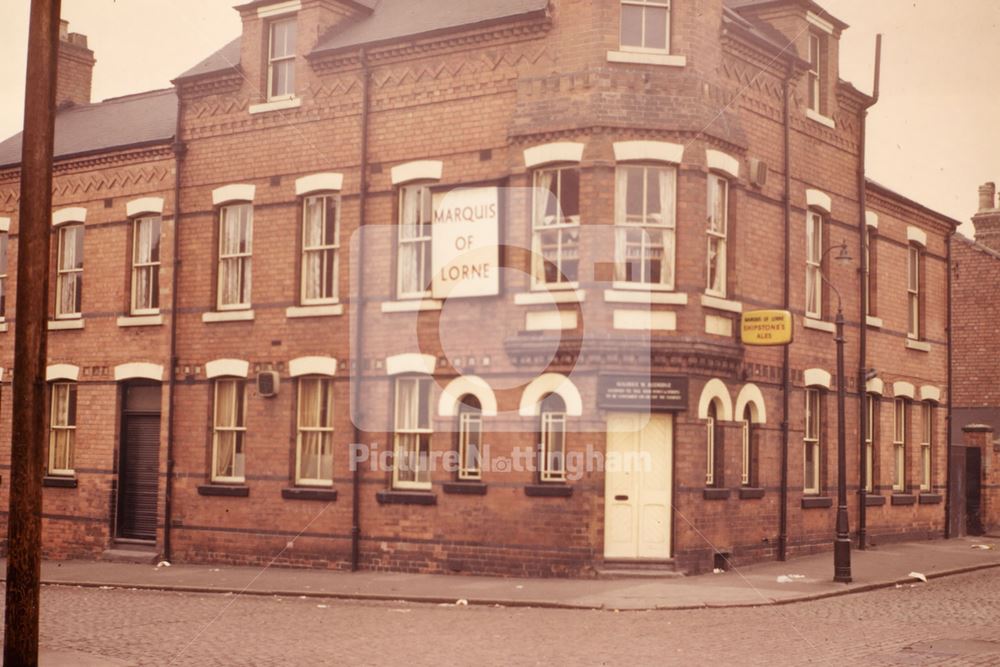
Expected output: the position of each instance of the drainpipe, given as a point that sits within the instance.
(180, 149)
(863, 313)
(786, 382)
(357, 354)
(948, 531)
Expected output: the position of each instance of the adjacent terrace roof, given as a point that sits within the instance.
(121, 122)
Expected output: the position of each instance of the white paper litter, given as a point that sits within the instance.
(322, 606)
(918, 575)
(985, 547)
(789, 578)
(163, 563)
(462, 603)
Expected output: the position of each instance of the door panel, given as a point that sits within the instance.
(654, 496)
(973, 491)
(620, 524)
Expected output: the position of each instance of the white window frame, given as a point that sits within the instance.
(66, 275)
(746, 447)
(420, 242)
(328, 250)
(148, 265)
(644, 5)
(470, 432)
(242, 260)
(913, 261)
(239, 429)
(717, 237)
(814, 264)
(648, 224)
(710, 447)
(63, 424)
(420, 433)
(563, 225)
(274, 61)
(553, 426)
(926, 440)
(899, 445)
(812, 442)
(322, 386)
(5, 255)
(815, 77)
(870, 405)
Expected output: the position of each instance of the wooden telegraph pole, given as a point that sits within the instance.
(24, 521)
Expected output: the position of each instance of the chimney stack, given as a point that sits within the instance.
(987, 220)
(75, 68)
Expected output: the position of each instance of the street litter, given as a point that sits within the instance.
(322, 606)
(519, 587)
(918, 575)
(162, 563)
(462, 603)
(401, 611)
(789, 578)
(987, 547)
(718, 570)
(107, 588)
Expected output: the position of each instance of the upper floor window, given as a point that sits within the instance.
(556, 226)
(69, 272)
(645, 225)
(899, 445)
(470, 437)
(320, 249)
(871, 271)
(812, 442)
(553, 439)
(235, 254)
(145, 265)
(314, 442)
(815, 71)
(3, 274)
(913, 271)
(62, 428)
(229, 431)
(814, 258)
(412, 438)
(413, 272)
(718, 228)
(645, 25)
(281, 59)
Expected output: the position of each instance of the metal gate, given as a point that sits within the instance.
(974, 491)
(138, 473)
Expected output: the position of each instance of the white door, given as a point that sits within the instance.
(637, 486)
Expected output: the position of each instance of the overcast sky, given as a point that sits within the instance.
(933, 136)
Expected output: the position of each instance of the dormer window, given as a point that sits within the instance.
(281, 59)
(645, 25)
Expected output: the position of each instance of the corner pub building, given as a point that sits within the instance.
(244, 287)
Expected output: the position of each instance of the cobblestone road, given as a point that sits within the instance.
(953, 621)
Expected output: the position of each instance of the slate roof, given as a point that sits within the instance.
(119, 122)
(390, 20)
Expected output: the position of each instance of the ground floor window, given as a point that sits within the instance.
(927, 431)
(229, 432)
(899, 446)
(553, 439)
(412, 439)
(470, 434)
(812, 443)
(314, 454)
(62, 429)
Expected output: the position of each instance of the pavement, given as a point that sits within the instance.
(770, 583)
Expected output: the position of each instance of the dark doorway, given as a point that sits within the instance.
(138, 472)
(974, 491)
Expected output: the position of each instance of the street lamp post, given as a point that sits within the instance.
(842, 542)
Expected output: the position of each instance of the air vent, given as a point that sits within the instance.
(268, 383)
(758, 172)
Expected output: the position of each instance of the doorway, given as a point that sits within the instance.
(974, 491)
(637, 486)
(139, 464)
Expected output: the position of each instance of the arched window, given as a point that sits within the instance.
(470, 434)
(714, 459)
(552, 441)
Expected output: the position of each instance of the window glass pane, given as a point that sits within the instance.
(569, 197)
(631, 25)
(656, 28)
(634, 194)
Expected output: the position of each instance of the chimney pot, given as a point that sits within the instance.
(987, 196)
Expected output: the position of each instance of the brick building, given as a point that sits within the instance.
(976, 370)
(642, 173)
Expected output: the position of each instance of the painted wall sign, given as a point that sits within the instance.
(766, 327)
(465, 250)
(641, 393)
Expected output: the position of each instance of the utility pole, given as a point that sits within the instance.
(24, 521)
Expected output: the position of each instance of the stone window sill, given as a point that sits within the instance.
(545, 298)
(66, 325)
(59, 482)
(821, 119)
(548, 490)
(718, 303)
(3, 327)
(644, 295)
(715, 494)
(304, 493)
(302, 312)
(918, 345)
(141, 321)
(276, 105)
(227, 316)
(406, 498)
(816, 502)
(465, 488)
(819, 325)
(903, 499)
(751, 493)
(411, 306)
(225, 491)
(874, 322)
(641, 58)
(874, 500)
(930, 498)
